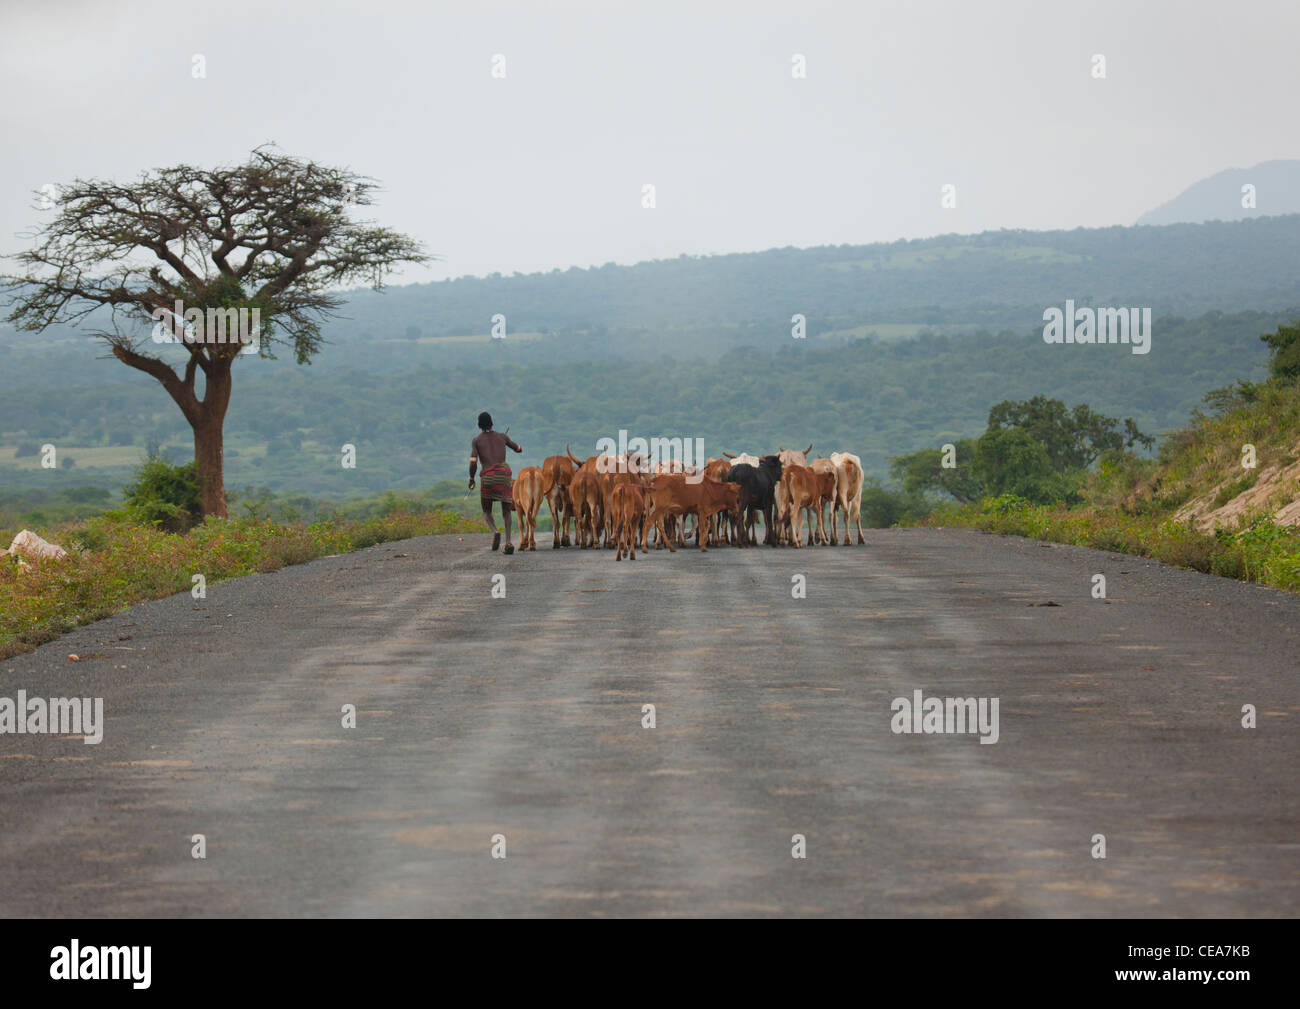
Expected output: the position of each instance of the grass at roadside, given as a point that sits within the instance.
(115, 564)
(1261, 551)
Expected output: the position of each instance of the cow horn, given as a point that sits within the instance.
(730, 455)
(571, 455)
(808, 449)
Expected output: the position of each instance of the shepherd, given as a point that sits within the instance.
(490, 447)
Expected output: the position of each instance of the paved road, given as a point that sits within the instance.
(1119, 717)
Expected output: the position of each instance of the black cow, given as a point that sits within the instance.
(757, 493)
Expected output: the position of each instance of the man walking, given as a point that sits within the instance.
(489, 447)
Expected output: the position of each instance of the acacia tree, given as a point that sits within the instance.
(273, 234)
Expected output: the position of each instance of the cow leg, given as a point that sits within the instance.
(663, 534)
(857, 515)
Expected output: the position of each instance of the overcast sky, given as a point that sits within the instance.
(545, 167)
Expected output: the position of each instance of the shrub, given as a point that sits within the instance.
(163, 495)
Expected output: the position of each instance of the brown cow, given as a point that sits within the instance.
(596, 526)
(820, 467)
(796, 490)
(527, 492)
(720, 525)
(617, 470)
(789, 457)
(557, 472)
(628, 477)
(828, 482)
(627, 512)
(606, 469)
(588, 507)
(671, 494)
(804, 489)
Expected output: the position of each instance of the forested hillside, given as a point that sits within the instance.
(908, 345)
(877, 398)
(707, 306)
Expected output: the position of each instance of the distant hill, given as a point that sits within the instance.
(1218, 198)
(708, 306)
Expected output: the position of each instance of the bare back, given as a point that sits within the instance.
(489, 448)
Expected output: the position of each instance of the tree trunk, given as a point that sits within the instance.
(209, 442)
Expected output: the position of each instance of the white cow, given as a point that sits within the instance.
(849, 491)
(744, 458)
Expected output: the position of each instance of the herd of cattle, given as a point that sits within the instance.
(612, 501)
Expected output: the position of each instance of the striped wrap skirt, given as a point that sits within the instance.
(497, 485)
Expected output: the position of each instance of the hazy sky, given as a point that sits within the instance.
(544, 168)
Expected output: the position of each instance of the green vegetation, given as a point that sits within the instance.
(1036, 450)
(412, 425)
(116, 563)
(28, 509)
(163, 495)
(152, 545)
(1148, 507)
(1262, 551)
(908, 343)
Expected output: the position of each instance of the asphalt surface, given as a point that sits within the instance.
(522, 717)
